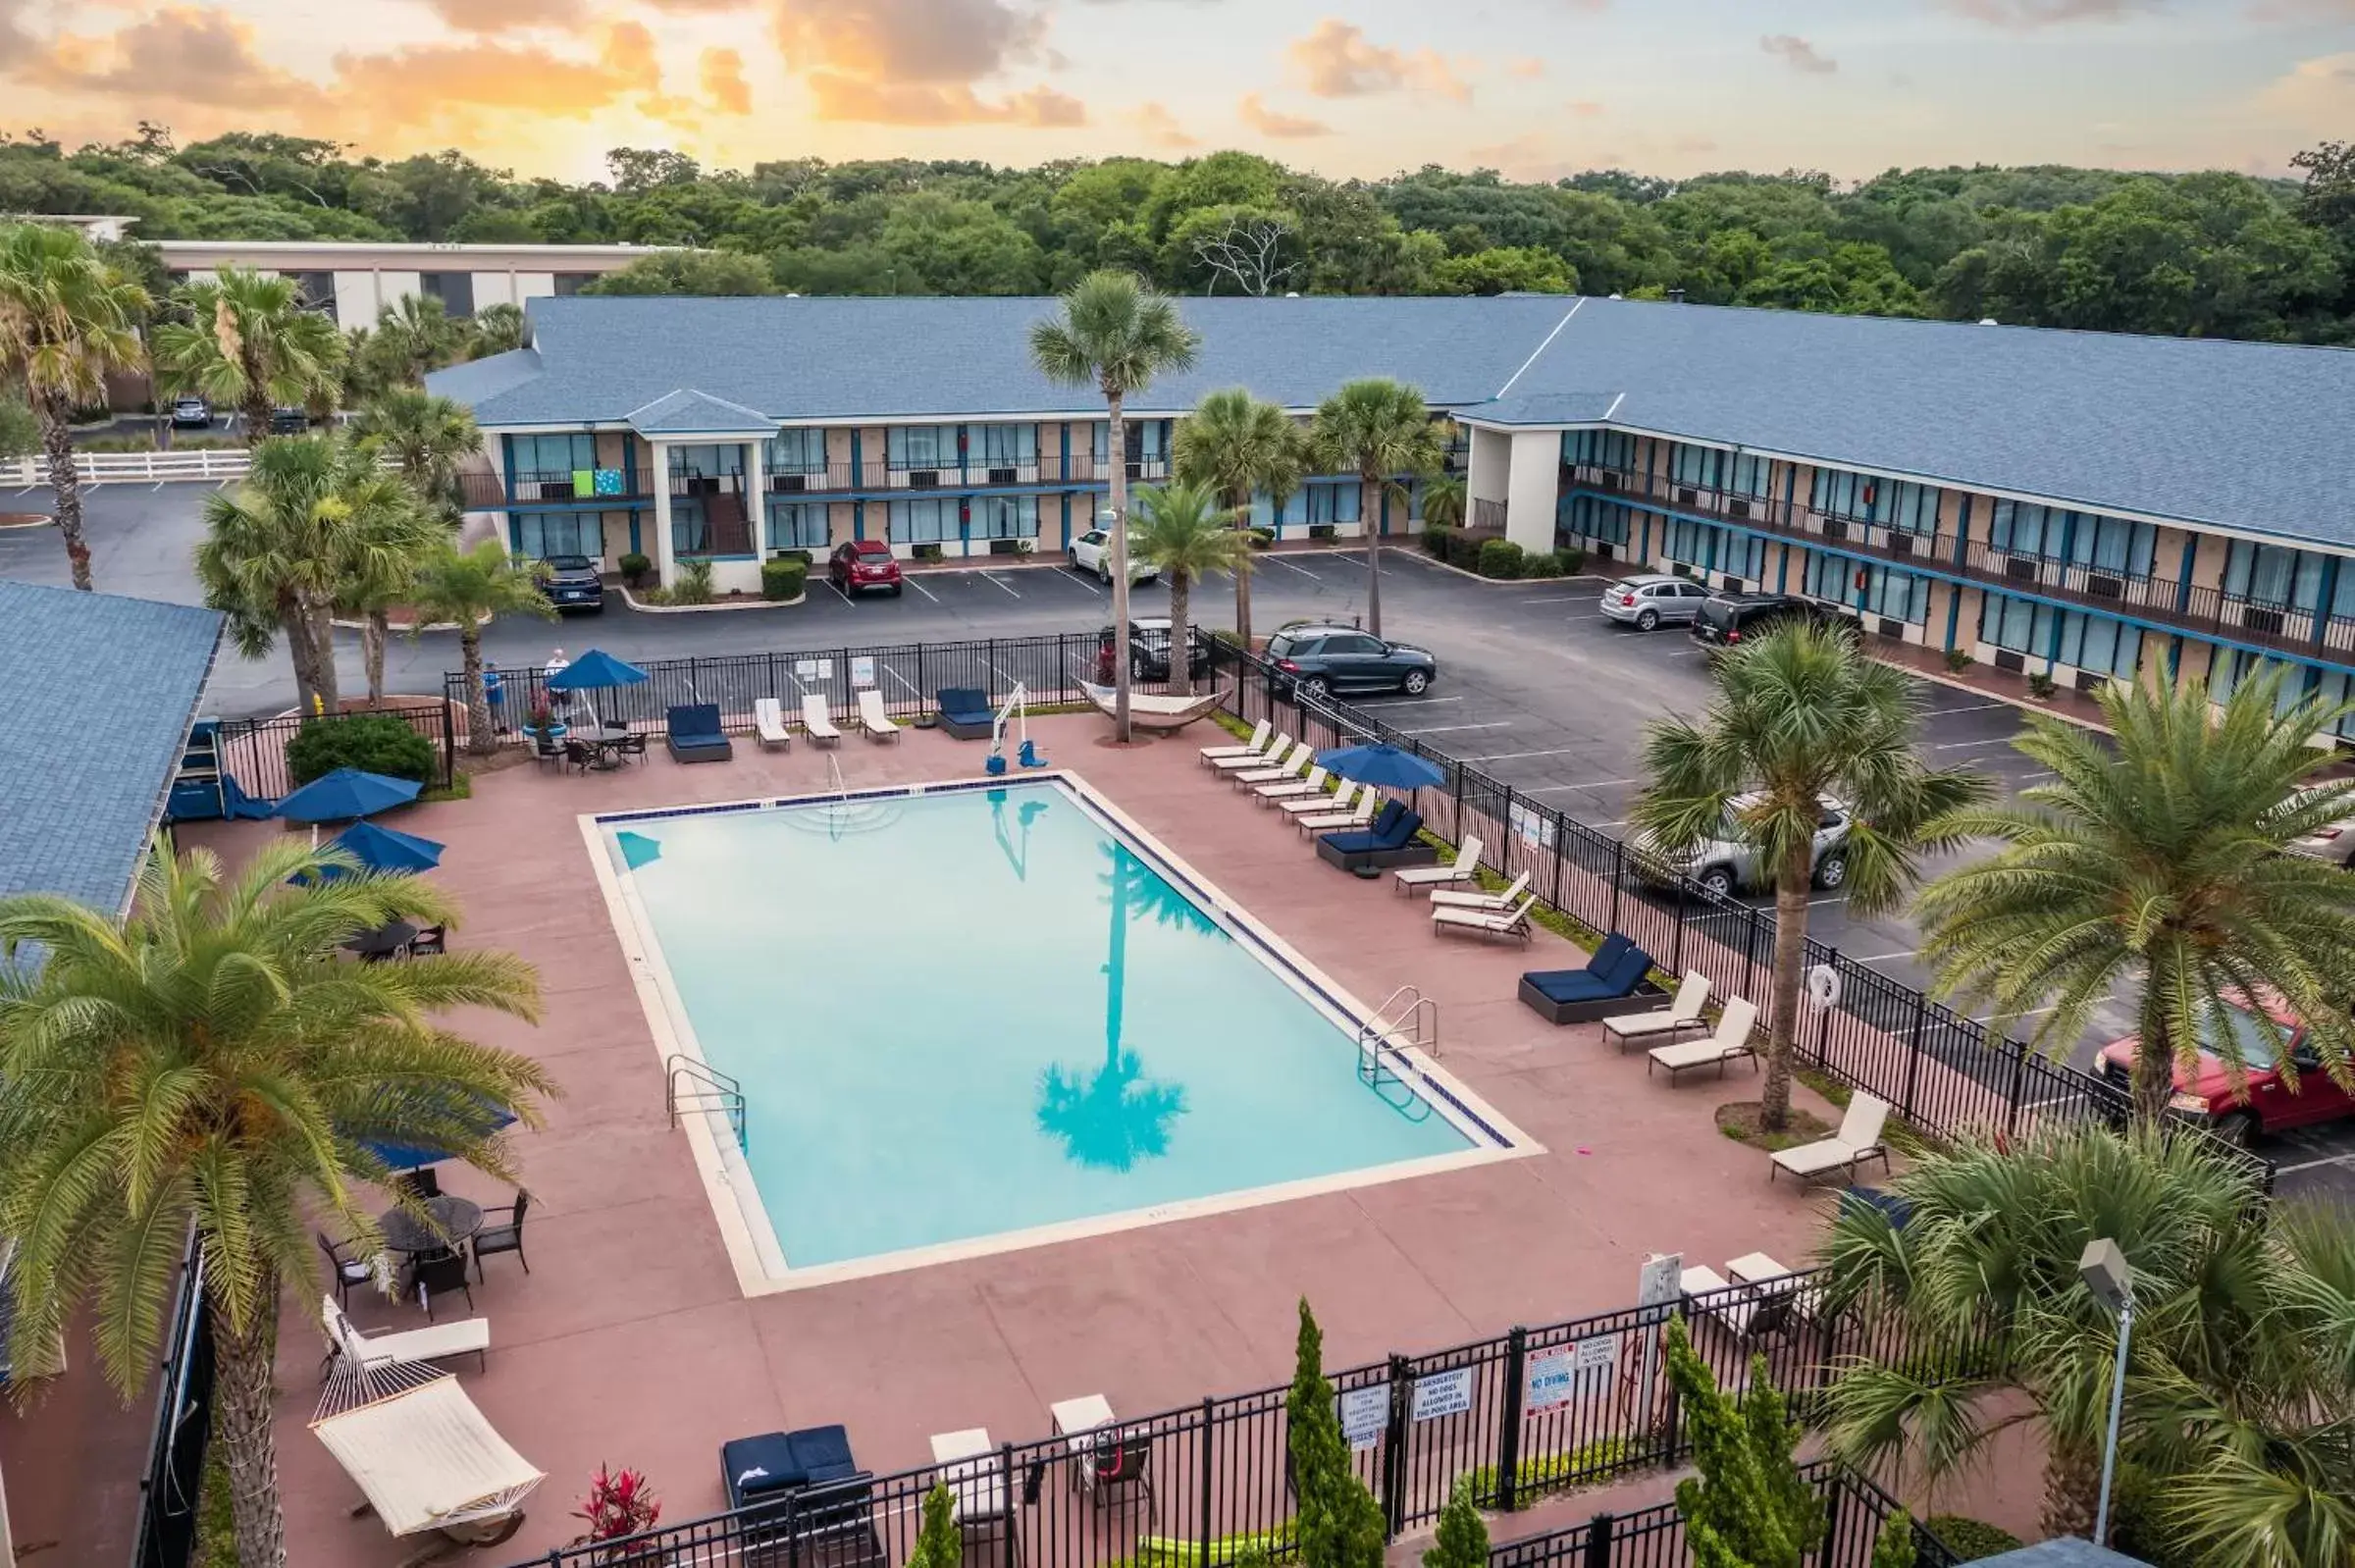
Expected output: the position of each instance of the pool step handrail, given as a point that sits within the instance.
(707, 1088)
(1405, 1017)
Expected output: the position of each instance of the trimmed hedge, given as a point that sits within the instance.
(1501, 558)
(1971, 1538)
(635, 568)
(783, 578)
(374, 743)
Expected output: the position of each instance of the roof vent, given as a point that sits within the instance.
(790, 294)
(1292, 293)
(1676, 297)
(1618, 297)
(1989, 321)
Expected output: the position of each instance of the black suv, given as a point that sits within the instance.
(1314, 659)
(573, 583)
(1149, 651)
(1727, 618)
(289, 422)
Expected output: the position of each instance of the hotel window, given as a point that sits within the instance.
(794, 451)
(1148, 439)
(1331, 504)
(314, 291)
(553, 456)
(2087, 642)
(1714, 549)
(2338, 685)
(540, 535)
(1837, 493)
(2275, 576)
(569, 283)
(1887, 593)
(926, 522)
(1599, 448)
(1005, 517)
(2114, 545)
(1746, 475)
(1908, 506)
(796, 525)
(1591, 517)
(456, 290)
(920, 446)
(1693, 467)
(2236, 667)
(1002, 446)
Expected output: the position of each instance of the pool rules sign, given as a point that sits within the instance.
(1577, 1371)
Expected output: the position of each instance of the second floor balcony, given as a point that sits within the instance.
(971, 474)
(480, 490)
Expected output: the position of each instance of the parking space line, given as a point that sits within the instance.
(1450, 729)
(910, 581)
(1590, 784)
(1515, 757)
(1064, 574)
(1409, 702)
(1278, 560)
(1882, 958)
(1971, 708)
(993, 577)
(2307, 1165)
(1559, 599)
(829, 582)
(158, 485)
(903, 680)
(1958, 746)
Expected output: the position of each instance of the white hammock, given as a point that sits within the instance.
(1151, 712)
(410, 1439)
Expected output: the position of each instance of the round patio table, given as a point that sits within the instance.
(383, 941)
(459, 1219)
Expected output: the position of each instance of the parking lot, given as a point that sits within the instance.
(1535, 686)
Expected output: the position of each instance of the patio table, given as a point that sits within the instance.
(459, 1219)
(383, 942)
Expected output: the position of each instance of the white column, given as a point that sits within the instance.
(1532, 486)
(663, 569)
(756, 494)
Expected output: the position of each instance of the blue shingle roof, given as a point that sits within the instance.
(2062, 1551)
(99, 693)
(690, 412)
(2241, 436)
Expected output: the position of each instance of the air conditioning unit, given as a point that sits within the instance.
(1686, 498)
(1610, 481)
(1900, 544)
(2022, 568)
(2004, 658)
(1835, 528)
(1890, 628)
(1137, 471)
(791, 484)
(2100, 586)
(1600, 550)
(924, 478)
(2268, 622)
(1737, 508)
(1004, 476)
(1735, 585)
(2091, 680)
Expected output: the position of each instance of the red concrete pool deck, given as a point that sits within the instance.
(630, 1341)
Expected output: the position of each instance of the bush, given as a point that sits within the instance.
(693, 586)
(1321, 531)
(1263, 538)
(783, 578)
(2041, 684)
(1437, 540)
(1500, 557)
(374, 743)
(635, 568)
(1545, 563)
(1573, 560)
(804, 557)
(1971, 1538)
(1957, 661)
(927, 553)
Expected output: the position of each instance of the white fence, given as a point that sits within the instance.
(210, 464)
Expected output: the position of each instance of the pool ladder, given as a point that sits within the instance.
(690, 1085)
(1405, 1017)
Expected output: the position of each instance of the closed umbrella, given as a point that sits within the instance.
(594, 671)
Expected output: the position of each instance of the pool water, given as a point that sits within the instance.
(976, 1012)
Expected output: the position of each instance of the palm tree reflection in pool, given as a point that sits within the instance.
(1110, 1115)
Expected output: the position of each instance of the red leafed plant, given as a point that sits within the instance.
(619, 1503)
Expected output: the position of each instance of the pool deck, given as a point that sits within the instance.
(631, 1342)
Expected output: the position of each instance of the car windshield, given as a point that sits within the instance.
(568, 563)
(2256, 1050)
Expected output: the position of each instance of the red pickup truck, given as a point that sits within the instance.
(2270, 1106)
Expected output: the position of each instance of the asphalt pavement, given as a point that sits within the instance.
(1535, 686)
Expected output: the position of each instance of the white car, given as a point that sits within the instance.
(1092, 552)
(1728, 864)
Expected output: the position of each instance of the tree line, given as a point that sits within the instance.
(2205, 253)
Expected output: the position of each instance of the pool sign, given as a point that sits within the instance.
(806, 670)
(1446, 1393)
(1531, 825)
(1365, 1412)
(862, 671)
(1574, 1372)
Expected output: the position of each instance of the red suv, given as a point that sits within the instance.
(2271, 1106)
(864, 565)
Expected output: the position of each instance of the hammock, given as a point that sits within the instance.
(1148, 711)
(410, 1439)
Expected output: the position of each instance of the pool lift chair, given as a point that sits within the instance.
(1017, 708)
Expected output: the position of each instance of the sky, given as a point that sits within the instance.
(1537, 88)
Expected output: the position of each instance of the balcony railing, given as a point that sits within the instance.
(692, 481)
(2113, 590)
(1488, 514)
(973, 474)
(483, 492)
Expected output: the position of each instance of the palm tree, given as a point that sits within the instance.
(463, 587)
(1380, 428)
(2154, 860)
(1238, 446)
(66, 319)
(1116, 335)
(211, 1062)
(2241, 1387)
(1802, 717)
(1186, 533)
(498, 329)
(249, 342)
(413, 337)
(427, 437)
(315, 524)
(389, 536)
(1443, 500)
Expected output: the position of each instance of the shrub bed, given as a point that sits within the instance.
(783, 578)
(1501, 558)
(374, 743)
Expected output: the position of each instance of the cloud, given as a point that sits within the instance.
(406, 87)
(503, 16)
(1274, 123)
(721, 71)
(1525, 67)
(898, 41)
(930, 103)
(1336, 60)
(2295, 11)
(2317, 93)
(1160, 127)
(1798, 54)
(1584, 107)
(2023, 15)
(185, 55)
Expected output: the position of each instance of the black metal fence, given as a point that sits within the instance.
(253, 751)
(165, 1535)
(1521, 1416)
(1855, 1511)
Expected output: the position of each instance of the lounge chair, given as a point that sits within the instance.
(1261, 733)
(1343, 800)
(1512, 923)
(872, 720)
(1291, 789)
(965, 713)
(1746, 1312)
(1858, 1140)
(756, 1469)
(972, 1468)
(818, 720)
(1464, 868)
(1444, 900)
(437, 1341)
(1296, 765)
(1360, 815)
(1390, 841)
(694, 734)
(1671, 1021)
(769, 719)
(1244, 761)
(1730, 1041)
(1614, 981)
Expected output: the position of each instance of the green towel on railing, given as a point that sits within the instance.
(584, 482)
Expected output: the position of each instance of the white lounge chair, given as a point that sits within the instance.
(1340, 799)
(1442, 898)
(1260, 735)
(1463, 869)
(1512, 923)
(873, 718)
(1293, 789)
(1858, 1140)
(1294, 764)
(970, 1467)
(435, 1341)
(1744, 1312)
(1679, 1014)
(1730, 1040)
(1368, 801)
(1275, 748)
(768, 717)
(818, 720)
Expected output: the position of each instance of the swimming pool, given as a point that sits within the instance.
(966, 1018)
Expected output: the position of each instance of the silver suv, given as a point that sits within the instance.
(1653, 599)
(1728, 864)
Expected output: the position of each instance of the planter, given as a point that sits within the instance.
(554, 732)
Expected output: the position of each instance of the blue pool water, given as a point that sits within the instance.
(978, 1012)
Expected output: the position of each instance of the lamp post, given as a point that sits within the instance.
(2106, 1273)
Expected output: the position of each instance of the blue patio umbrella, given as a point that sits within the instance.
(381, 849)
(1382, 765)
(416, 1156)
(594, 671)
(347, 795)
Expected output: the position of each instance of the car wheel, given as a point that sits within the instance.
(897, 588)
(1648, 622)
(2237, 1129)
(1315, 688)
(1831, 871)
(1717, 879)
(1103, 574)
(1417, 682)
(1074, 556)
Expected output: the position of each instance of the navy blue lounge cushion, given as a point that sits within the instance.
(1401, 831)
(692, 720)
(1617, 967)
(1627, 972)
(964, 702)
(823, 1453)
(759, 1466)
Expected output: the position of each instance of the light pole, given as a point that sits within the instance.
(2106, 1273)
